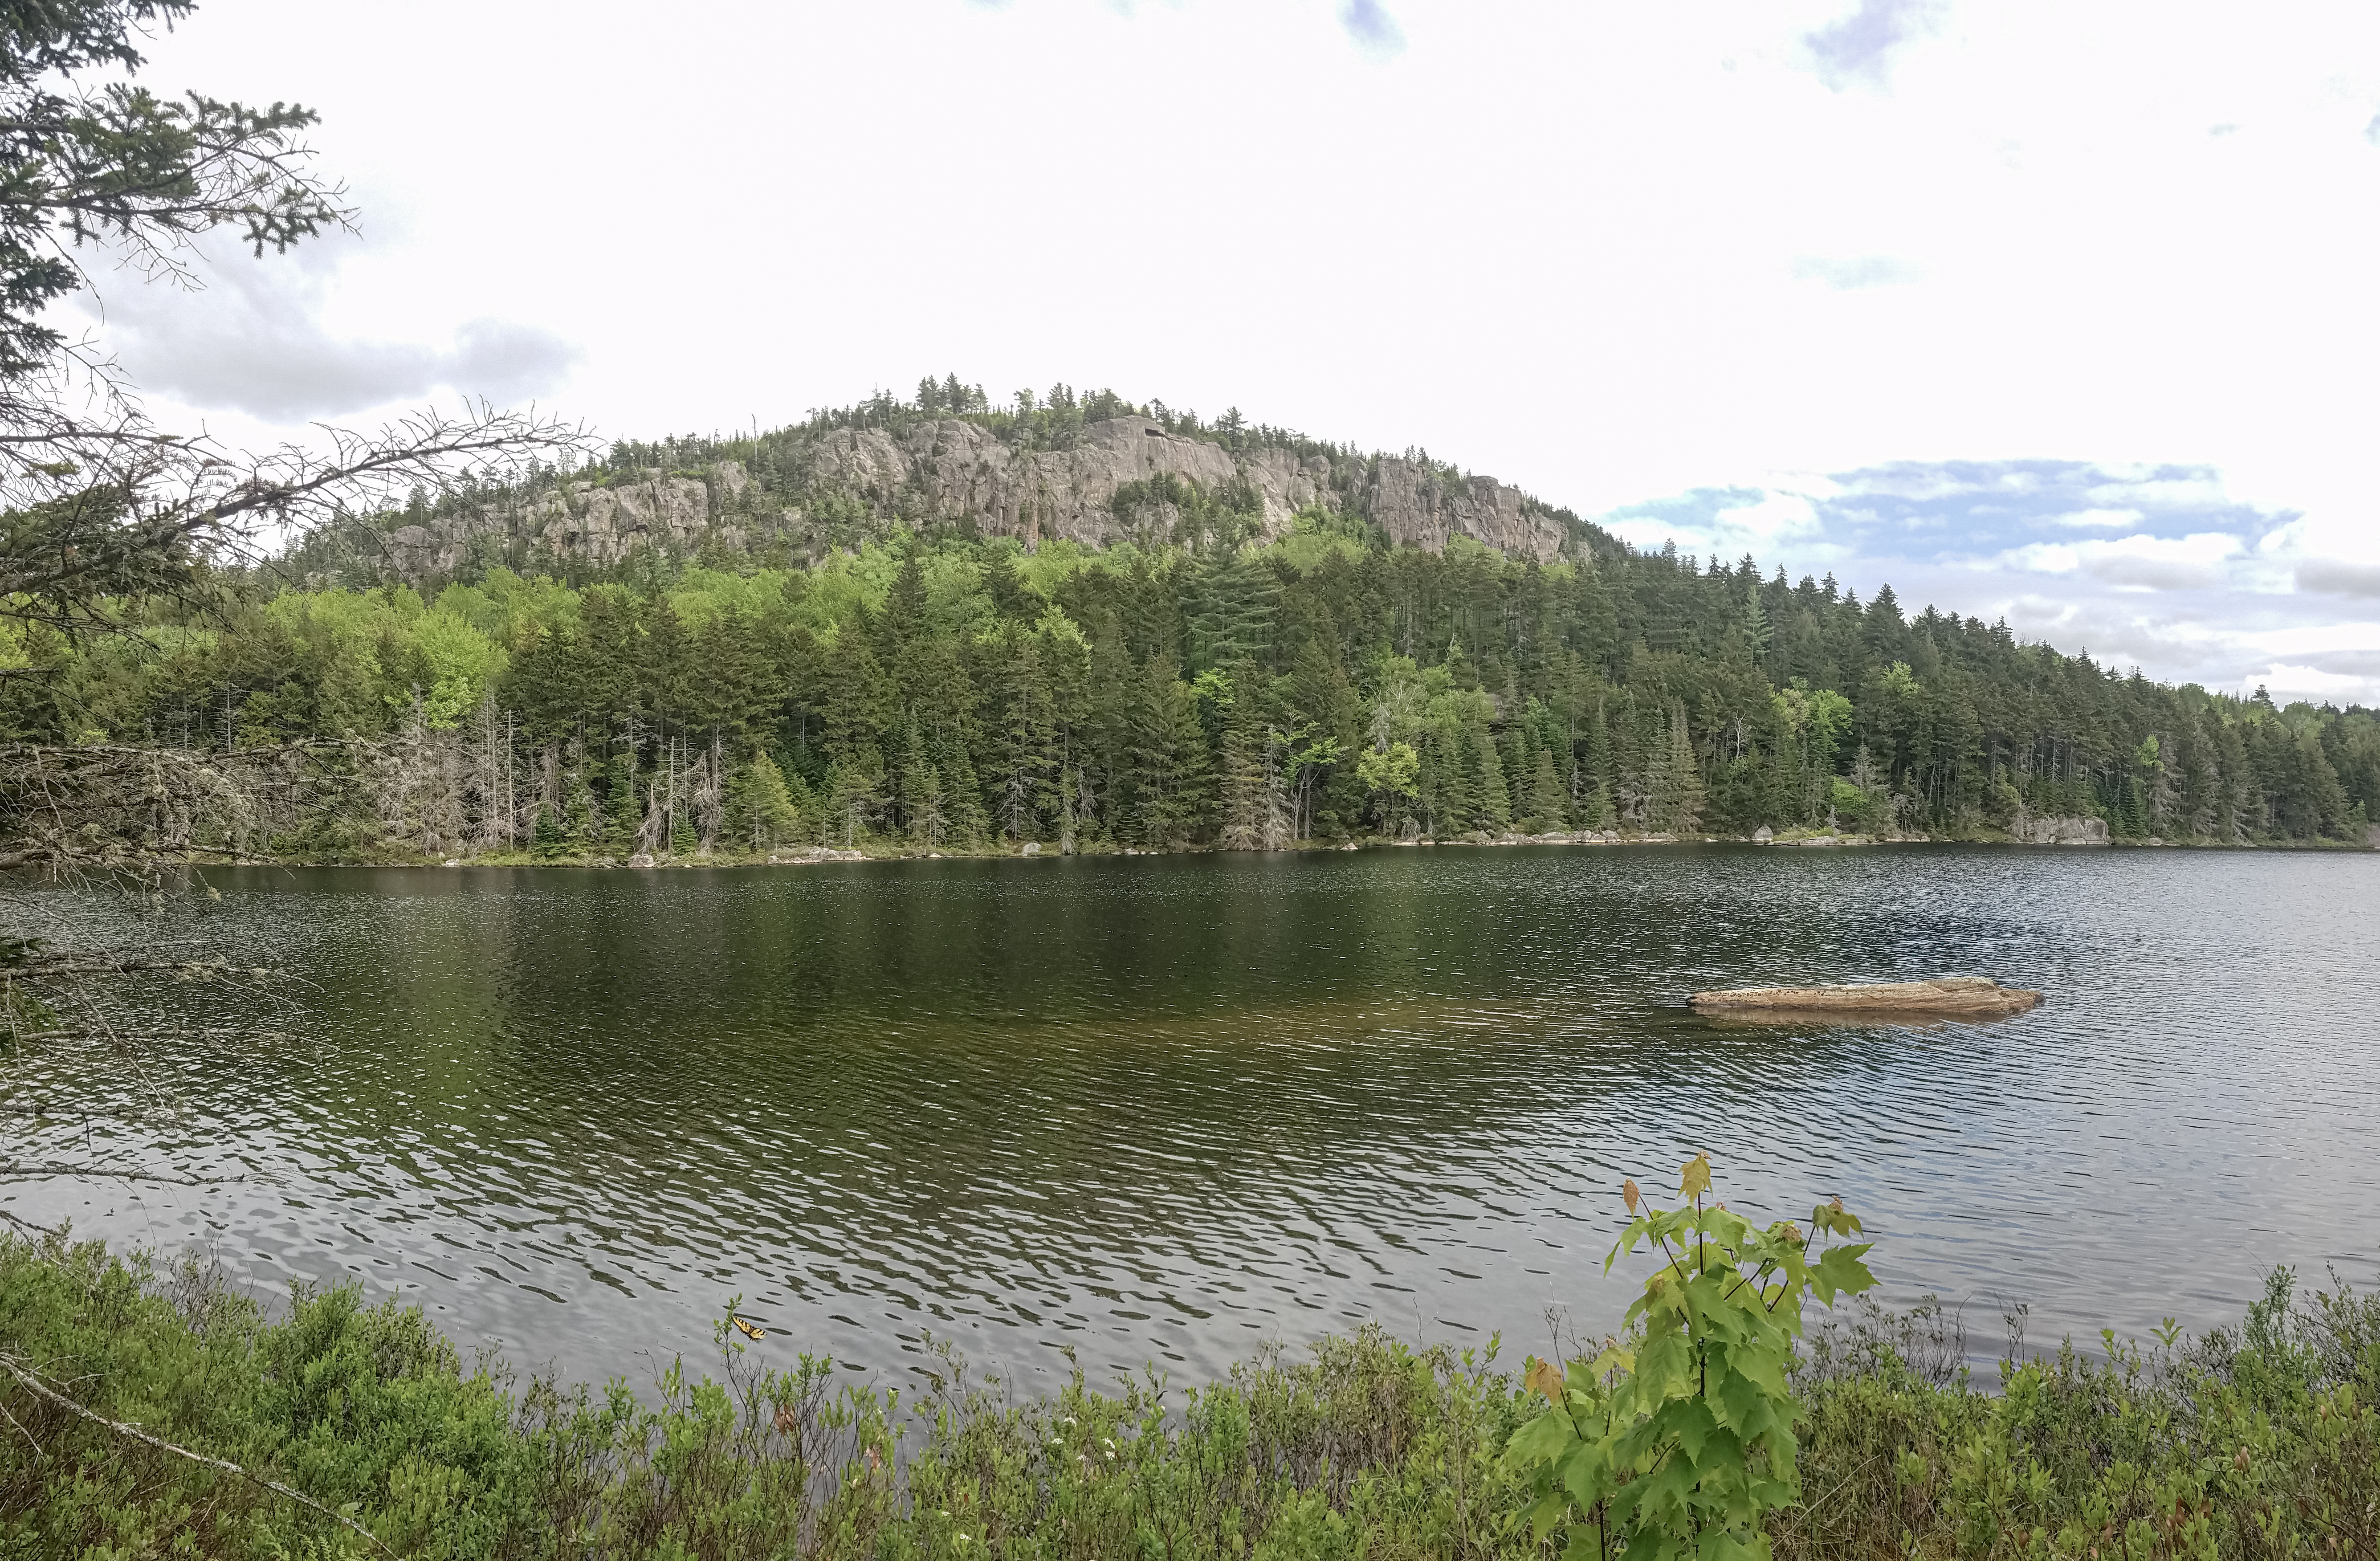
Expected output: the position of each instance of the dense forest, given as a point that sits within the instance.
(931, 689)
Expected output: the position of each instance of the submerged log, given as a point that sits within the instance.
(1972, 996)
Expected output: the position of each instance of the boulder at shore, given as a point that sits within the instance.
(1968, 997)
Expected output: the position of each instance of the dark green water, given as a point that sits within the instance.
(1165, 1109)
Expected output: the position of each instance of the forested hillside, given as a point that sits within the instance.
(1227, 679)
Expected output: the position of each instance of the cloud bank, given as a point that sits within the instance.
(1852, 273)
(254, 340)
(1373, 30)
(2157, 566)
(1862, 48)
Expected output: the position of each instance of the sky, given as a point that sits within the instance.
(2064, 313)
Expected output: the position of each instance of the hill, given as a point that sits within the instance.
(1091, 470)
(1088, 626)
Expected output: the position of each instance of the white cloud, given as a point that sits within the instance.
(2338, 577)
(1373, 30)
(1862, 45)
(1773, 516)
(2288, 681)
(1855, 272)
(253, 337)
(2135, 562)
(1555, 242)
(2103, 520)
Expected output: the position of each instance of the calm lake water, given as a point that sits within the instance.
(1161, 1109)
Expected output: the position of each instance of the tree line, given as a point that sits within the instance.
(962, 694)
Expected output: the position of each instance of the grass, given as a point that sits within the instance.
(2251, 1442)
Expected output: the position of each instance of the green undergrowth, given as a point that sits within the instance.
(2255, 1441)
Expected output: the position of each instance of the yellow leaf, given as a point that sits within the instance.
(1628, 1191)
(1545, 1379)
(1694, 1180)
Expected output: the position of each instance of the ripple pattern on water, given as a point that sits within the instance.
(1163, 1108)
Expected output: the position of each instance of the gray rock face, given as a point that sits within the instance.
(956, 471)
(952, 471)
(2063, 831)
(1416, 509)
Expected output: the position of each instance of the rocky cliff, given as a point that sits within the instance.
(1123, 478)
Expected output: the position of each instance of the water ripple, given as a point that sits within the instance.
(1162, 1108)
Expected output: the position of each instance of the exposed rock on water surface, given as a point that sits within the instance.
(1967, 996)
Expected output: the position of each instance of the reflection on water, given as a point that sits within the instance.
(1166, 1108)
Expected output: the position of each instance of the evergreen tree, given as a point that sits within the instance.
(1591, 801)
(1027, 755)
(760, 811)
(1244, 796)
(1230, 611)
(920, 788)
(624, 818)
(1546, 808)
(547, 837)
(961, 795)
(1491, 799)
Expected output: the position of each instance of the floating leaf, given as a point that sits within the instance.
(1628, 1191)
(1694, 1180)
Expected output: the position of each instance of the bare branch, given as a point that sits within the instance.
(31, 1382)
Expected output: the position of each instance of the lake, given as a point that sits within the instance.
(1162, 1109)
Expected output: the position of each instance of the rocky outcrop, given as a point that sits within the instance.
(578, 522)
(1418, 509)
(953, 470)
(1122, 479)
(2061, 831)
(1966, 997)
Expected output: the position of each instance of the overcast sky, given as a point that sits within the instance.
(2065, 312)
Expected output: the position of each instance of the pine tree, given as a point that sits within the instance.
(1681, 805)
(962, 794)
(582, 821)
(547, 838)
(1243, 799)
(760, 810)
(1591, 774)
(1492, 799)
(624, 818)
(1012, 599)
(1230, 611)
(1147, 780)
(1546, 793)
(853, 780)
(920, 788)
(1026, 743)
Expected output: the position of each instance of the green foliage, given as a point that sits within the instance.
(1367, 1446)
(1683, 1445)
(2246, 1444)
(760, 811)
(950, 694)
(120, 165)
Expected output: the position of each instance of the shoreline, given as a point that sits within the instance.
(810, 856)
(136, 1391)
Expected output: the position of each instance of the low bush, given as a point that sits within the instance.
(345, 1430)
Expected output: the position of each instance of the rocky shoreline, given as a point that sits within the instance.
(811, 856)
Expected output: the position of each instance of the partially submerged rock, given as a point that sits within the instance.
(1969, 996)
